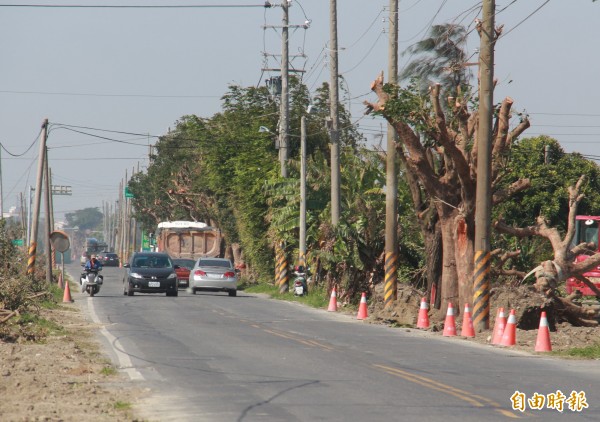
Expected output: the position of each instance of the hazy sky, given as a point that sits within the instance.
(131, 73)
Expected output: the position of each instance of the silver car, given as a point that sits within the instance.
(213, 275)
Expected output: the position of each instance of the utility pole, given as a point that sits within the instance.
(333, 104)
(390, 293)
(38, 197)
(47, 243)
(302, 243)
(285, 100)
(30, 190)
(483, 197)
(23, 218)
(119, 223)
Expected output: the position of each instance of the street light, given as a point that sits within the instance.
(264, 129)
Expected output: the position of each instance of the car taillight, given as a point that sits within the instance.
(200, 273)
(229, 274)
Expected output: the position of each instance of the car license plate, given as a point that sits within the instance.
(154, 284)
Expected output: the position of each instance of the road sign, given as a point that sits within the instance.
(128, 193)
(61, 190)
(17, 242)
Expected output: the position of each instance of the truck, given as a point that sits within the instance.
(586, 230)
(188, 239)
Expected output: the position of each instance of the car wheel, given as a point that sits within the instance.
(129, 291)
(233, 293)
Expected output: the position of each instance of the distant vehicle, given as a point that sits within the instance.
(587, 229)
(150, 272)
(214, 275)
(182, 268)
(188, 239)
(109, 259)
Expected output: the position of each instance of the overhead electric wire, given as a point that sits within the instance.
(526, 18)
(91, 94)
(364, 57)
(140, 6)
(26, 151)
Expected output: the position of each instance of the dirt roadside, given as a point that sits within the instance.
(405, 312)
(65, 378)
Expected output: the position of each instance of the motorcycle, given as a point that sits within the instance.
(91, 281)
(300, 285)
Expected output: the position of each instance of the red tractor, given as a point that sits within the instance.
(587, 227)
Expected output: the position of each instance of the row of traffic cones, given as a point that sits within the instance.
(505, 330)
(363, 312)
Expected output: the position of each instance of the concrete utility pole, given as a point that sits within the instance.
(390, 293)
(335, 120)
(483, 198)
(48, 245)
(38, 198)
(302, 243)
(285, 101)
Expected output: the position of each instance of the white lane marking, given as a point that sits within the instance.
(124, 361)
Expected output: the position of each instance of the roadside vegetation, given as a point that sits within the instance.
(22, 297)
(589, 352)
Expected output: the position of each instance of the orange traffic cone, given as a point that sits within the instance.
(542, 344)
(333, 301)
(67, 295)
(510, 331)
(362, 308)
(467, 326)
(423, 319)
(499, 326)
(449, 323)
(60, 280)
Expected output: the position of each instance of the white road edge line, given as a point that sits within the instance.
(124, 361)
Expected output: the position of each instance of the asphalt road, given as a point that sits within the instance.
(211, 357)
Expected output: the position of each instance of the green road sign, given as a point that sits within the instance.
(145, 243)
(17, 242)
(128, 193)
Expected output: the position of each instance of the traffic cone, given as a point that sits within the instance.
(542, 344)
(60, 280)
(449, 323)
(423, 319)
(67, 295)
(499, 326)
(333, 301)
(362, 308)
(510, 331)
(467, 326)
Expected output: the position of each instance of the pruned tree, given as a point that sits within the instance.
(439, 145)
(550, 273)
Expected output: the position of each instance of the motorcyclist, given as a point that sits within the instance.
(300, 272)
(92, 265)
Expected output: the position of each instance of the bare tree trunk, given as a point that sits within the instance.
(449, 288)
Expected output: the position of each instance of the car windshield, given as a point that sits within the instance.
(151, 262)
(185, 263)
(214, 263)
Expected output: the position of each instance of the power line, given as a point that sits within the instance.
(91, 94)
(26, 151)
(141, 6)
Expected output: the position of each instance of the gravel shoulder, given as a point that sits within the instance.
(64, 378)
